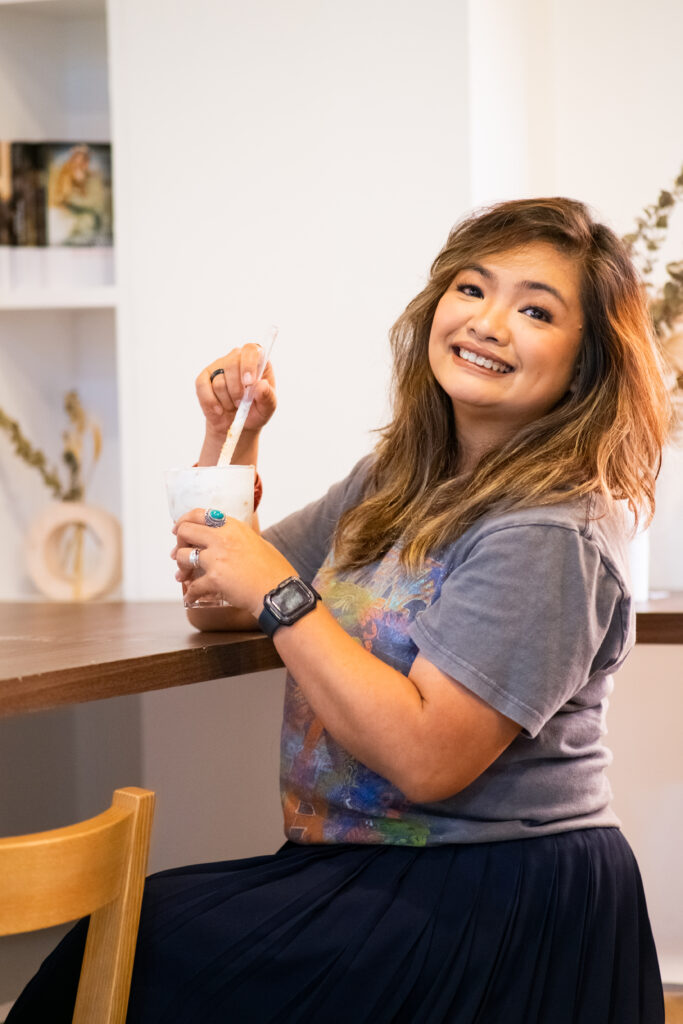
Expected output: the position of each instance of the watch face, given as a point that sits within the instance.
(290, 600)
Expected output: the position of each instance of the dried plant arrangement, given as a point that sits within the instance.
(82, 430)
(666, 299)
(82, 433)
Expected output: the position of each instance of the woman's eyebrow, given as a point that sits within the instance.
(521, 286)
(541, 287)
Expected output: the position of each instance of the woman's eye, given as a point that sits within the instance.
(538, 313)
(470, 289)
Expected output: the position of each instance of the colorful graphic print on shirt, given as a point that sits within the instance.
(327, 795)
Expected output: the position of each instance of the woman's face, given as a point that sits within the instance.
(520, 312)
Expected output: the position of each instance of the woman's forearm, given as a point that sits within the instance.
(424, 732)
(347, 687)
(370, 709)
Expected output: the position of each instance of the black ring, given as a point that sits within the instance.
(216, 373)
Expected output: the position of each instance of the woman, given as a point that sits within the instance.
(451, 855)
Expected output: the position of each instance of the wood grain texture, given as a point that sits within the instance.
(673, 1005)
(53, 654)
(660, 620)
(96, 867)
(104, 985)
(49, 878)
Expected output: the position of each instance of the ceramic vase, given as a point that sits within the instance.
(73, 551)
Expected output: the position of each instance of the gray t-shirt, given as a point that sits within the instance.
(531, 611)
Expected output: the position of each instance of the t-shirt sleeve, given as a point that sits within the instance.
(525, 620)
(305, 537)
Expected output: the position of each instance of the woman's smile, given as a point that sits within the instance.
(477, 360)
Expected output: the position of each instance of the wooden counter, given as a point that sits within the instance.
(660, 620)
(52, 654)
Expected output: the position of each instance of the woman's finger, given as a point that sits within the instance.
(265, 400)
(195, 515)
(250, 357)
(197, 588)
(231, 383)
(217, 386)
(197, 534)
(221, 391)
(208, 400)
(187, 562)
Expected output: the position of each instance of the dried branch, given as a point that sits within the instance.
(666, 302)
(72, 454)
(30, 455)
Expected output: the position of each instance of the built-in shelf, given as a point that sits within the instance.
(57, 277)
(95, 297)
(57, 8)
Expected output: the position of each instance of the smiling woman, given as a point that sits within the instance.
(449, 616)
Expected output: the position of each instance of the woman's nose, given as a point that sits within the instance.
(490, 321)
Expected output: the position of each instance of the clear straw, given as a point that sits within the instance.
(228, 449)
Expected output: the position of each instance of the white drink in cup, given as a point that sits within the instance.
(228, 488)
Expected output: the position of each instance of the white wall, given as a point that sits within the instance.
(618, 95)
(583, 100)
(618, 86)
(298, 164)
(512, 99)
(644, 735)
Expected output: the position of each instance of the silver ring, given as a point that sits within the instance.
(214, 517)
(216, 373)
(194, 558)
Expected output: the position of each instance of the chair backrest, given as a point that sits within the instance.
(96, 867)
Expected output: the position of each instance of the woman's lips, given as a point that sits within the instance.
(498, 367)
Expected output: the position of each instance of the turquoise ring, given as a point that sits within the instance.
(214, 517)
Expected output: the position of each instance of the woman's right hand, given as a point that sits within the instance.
(219, 398)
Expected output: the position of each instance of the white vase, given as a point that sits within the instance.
(639, 562)
(666, 531)
(73, 551)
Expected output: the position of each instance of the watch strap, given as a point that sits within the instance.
(268, 622)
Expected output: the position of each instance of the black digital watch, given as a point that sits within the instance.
(286, 604)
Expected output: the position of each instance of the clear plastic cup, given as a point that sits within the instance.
(227, 488)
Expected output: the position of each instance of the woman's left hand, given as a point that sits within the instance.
(235, 562)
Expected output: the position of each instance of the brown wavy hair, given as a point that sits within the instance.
(605, 436)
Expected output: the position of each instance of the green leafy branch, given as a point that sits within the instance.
(72, 455)
(665, 301)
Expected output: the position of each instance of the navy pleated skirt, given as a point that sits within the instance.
(551, 930)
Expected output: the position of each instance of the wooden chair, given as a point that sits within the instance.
(673, 1004)
(96, 867)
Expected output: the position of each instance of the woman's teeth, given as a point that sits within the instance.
(490, 364)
